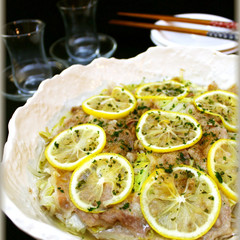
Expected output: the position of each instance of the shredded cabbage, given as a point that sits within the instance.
(46, 194)
(175, 105)
(141, 171)
(73, 223)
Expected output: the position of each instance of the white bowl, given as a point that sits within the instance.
(58, 94)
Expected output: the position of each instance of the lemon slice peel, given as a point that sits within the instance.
(162, 90)
(93, 174)
(173, 217)
(118, 105)
(71, 146)
(222, 166)
(166, 131)
(219, 103)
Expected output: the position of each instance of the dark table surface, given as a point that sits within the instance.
(131, 41)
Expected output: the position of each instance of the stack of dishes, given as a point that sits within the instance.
(172, 39)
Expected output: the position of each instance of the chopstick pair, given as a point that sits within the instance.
(223, 35)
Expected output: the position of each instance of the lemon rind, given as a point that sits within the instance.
(110, 115)
(87, 161)
(71, 167)
(223, 186)
(176, 234)
(180, 96)
(168, 149)
(227, 125)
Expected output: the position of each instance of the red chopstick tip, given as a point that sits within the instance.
(230, 25)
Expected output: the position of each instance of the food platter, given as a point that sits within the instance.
(56, 96)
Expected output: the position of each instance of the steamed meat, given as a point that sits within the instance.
(126, 218)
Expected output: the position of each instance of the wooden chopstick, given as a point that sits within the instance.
(223, 35)
(158, 27)
(230, 25)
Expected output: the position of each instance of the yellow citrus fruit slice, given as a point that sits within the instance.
(100, 181)
(71, 146)
(183, 204)
(220, 103)
(118, 105)
(163, 131)
(162, 90)
(222, 166)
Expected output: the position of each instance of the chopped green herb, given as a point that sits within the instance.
(56, 144)
(219, 177)
(125, 206)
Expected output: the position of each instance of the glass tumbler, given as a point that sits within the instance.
(24, 42)
(81, 37)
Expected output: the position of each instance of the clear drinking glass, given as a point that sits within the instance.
(81, 37)
(24, 42)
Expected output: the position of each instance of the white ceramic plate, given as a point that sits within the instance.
(167, 38)
(57, 95)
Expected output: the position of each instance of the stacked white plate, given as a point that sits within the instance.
(172, 39)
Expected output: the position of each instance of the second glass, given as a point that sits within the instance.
(81, 37)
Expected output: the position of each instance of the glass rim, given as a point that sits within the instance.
(40, 23)
(66, 5)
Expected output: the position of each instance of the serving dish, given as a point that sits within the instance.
(57, 95)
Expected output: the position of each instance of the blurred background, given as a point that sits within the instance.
(131, 41)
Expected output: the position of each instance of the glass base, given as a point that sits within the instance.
(108, 46)
(10, 90)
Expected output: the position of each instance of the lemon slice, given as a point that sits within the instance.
(118, 105)
(183, 204)
(220, 103)
(162, 90)
(100, 181)
(163, 131)
(222, 166)
(73, 145)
